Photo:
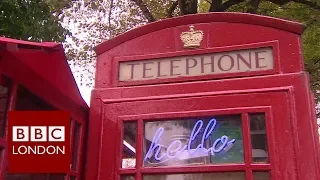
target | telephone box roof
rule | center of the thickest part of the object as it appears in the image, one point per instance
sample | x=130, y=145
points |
x=47, y=61
x=229, y=17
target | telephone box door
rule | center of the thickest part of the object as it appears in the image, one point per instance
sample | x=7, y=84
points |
x=242, y=136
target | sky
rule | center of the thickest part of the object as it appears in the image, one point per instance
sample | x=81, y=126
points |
x=85, y=93
x=77, y=70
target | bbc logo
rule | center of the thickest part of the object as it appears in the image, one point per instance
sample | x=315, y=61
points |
x=40, y=137
x=38, y=133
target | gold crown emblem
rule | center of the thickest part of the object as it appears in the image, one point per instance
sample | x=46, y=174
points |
x=192, y=38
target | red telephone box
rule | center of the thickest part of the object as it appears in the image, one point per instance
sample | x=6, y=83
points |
x=219, y=96
x=36, y=77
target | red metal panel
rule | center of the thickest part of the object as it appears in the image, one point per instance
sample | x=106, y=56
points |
x=4, y=40
x=247, y=144
x=170, y=108
x=305, y=131
x=139, y=149
x=48, y=60
x=93, y=140
x=229, y=86
x=17, y=70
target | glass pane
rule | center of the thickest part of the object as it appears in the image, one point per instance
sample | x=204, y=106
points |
x=26, y=100
x=127, y=178
x=9, y=176
x=258, y=138
x=129, y=145
x=193, y=141
x=71, y=133
x=4, y=102
x=202, y=176
x=56, y=176
x=261, y=175
x=76, y=145
x=2, y=153
x=73, y=178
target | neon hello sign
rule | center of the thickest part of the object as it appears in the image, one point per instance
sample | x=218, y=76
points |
x=176, y=151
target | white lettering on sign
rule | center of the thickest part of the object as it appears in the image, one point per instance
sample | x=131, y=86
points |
x=185, y=66
x=38, y=133
x=38, y=150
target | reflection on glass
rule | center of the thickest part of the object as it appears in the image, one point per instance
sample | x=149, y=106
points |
x=258, y=138
x=57, y=177
x=193, y=141
x=26, y=100
x=2, y=152
x=129, y=145
x=4, y=101
x=261, y=175
x=9, y=176
x=127, y=178
x=76, y=144
x=202, y=176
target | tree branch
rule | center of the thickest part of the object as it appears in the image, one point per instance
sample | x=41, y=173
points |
x=172, y=8
x=305, y=2
x=279, y=2
x=253, y=6
x=144, y=10
x=313, y=5
x=188, y=6
x=227, y=4
x=215, y=5
x=110, y=13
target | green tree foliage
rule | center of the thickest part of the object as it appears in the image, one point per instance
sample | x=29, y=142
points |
x=35, y=20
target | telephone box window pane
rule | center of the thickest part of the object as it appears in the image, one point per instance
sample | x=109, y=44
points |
x=56, y=176
x=71, y=142
x=26, y=100
x=127, y=178
x=261, y=175
x=71, y=132
x=4, y=102
x=76, y=145
x=193, y=141
x=258, y=138
x=34, y=176
x=129, y=145
x=13, y=176
x=2, y=152
x=202, y=176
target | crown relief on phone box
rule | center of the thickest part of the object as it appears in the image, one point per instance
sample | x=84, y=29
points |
x=192, y=38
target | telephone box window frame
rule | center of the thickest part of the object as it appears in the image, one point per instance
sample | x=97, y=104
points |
x=248, y=166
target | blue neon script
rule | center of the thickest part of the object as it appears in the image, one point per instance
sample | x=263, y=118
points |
x=175, y=148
